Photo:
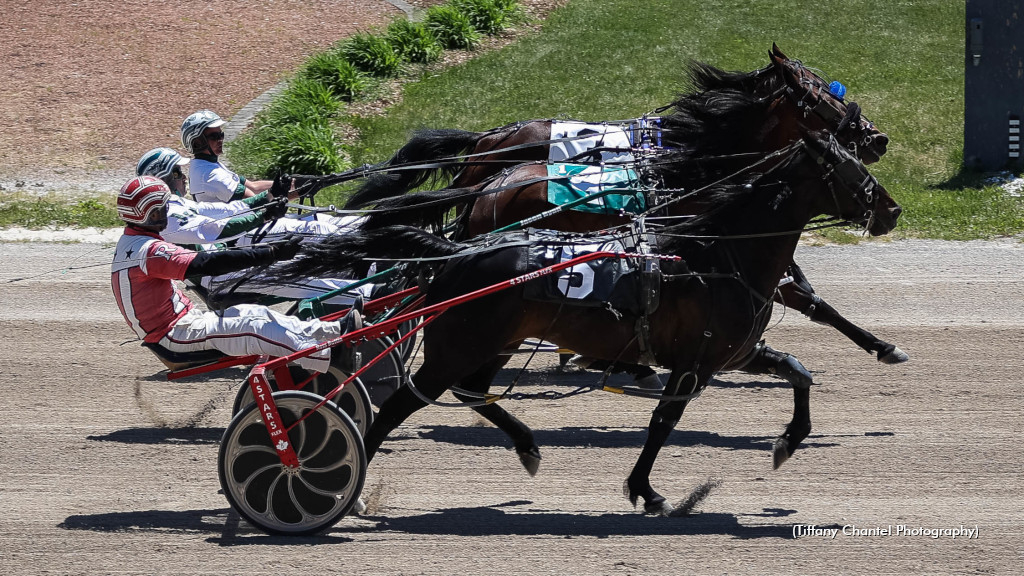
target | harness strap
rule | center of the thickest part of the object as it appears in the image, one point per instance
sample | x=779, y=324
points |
x=650, y=289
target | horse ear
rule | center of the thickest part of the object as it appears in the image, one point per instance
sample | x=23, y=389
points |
x=778, y=53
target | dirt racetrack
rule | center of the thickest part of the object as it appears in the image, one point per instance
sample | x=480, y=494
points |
x=108, y=469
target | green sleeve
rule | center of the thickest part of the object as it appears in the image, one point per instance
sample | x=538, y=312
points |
x=257, y=200
x=240, y=224
x=239, y=190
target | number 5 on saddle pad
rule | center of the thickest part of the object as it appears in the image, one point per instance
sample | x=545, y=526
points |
x=611, y=282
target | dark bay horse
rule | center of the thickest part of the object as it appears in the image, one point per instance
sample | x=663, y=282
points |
x=713, y=308
x=792, y=98
x=731, y=116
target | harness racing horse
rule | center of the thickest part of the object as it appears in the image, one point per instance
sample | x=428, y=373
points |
x=714, y=303
x=732, y=116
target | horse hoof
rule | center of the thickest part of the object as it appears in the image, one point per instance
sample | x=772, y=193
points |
x=780, y=453
x=650, y=382
x=658, y=507
x=895, y=356
x=530, y=460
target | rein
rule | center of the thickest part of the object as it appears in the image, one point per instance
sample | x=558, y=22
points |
x=316, y=183
x=789, y=150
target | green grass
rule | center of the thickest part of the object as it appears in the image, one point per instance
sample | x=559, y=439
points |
x=373, y=54
x=451, y=27
x=414, y=41
x=901, y=60
x=18, y=210
x=333, y=71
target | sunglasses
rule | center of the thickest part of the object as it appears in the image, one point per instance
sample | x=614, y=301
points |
x=214, y=136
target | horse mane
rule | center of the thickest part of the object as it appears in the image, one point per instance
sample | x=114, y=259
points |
x=705, y=77
x=723, y=205
x=707, y=120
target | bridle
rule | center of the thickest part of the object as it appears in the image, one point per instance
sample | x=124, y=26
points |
x=851, y=174
x=816, y=98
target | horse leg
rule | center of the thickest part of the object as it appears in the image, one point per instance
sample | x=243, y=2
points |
x=800, y=296
x=520, y=433
x=798, y=429
x=645, y=377
x=453, y=350
x=663, y=420
x=431, y=380
x=766, y=360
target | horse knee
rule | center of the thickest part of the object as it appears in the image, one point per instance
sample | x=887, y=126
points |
x=792, y=370
x=767, y=360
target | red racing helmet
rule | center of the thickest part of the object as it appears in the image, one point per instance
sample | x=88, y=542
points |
x=140, y=200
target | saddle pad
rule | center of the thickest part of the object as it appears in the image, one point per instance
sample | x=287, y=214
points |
x=598, y=283
x=586, y=137
x=574, y=181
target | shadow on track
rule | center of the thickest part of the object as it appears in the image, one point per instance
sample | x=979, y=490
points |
x=226, y=529
x=601, y=437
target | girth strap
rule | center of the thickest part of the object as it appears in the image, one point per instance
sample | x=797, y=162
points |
x=650, y=290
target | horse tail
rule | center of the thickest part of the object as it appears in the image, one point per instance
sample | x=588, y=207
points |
x=426, y=209
x=348, y=255
x=431, y=154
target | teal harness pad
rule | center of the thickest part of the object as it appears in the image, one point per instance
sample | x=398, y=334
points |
x=575, y=181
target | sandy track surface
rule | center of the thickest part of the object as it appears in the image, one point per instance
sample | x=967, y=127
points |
x=90, y=86
x=93, y=85
x=106, y=468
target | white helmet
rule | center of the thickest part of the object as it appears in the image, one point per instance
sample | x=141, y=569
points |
x=159, y=162
x=193, y=127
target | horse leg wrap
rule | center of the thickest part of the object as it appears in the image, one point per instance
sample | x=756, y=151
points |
x=783, y=365
x=813, y=308
x=791, y=369
x=659, y=421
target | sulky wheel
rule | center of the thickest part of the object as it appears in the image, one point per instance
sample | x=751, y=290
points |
x=353, y=398
x=306, y=500
x=406, y=348
x=384, y=376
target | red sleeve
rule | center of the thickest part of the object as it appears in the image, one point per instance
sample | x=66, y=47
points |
x=166, y=260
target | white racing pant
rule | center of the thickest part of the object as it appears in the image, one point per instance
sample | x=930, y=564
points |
x=313, y=229
x=251, y=329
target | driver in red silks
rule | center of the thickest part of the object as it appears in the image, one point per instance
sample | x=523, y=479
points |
x=145, y=267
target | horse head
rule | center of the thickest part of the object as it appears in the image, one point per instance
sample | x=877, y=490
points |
x=825, y=109
x=853, y=193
